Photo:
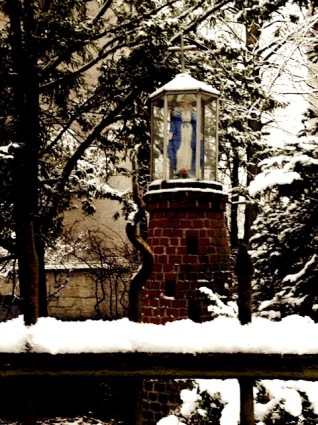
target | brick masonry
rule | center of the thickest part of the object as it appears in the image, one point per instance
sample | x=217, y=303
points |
x=161, y=397
x=188, y=235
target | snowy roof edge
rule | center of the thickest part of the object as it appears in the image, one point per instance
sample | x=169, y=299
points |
x=185, y=82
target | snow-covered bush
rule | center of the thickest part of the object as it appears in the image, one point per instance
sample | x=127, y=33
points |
x=284, y=402
x=203, y=403
x=216, y=402
x=218, y=307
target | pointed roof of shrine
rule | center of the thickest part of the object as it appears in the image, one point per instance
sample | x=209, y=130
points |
x=185, y=82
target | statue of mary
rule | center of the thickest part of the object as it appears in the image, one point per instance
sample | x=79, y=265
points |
x=182, y=137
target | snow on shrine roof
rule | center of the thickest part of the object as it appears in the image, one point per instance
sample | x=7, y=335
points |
x=184, y=82
x=185, y=189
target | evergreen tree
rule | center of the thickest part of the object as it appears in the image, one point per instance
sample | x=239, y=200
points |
x=247, y=48
x=75, y=80
x=285, y=243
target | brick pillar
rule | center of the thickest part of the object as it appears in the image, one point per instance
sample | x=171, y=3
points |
x=188, y=235
x=160, y=397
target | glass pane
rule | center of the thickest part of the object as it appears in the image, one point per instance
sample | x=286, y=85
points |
x=210, y=141
x=176, y=130
x=182, y=135
x=157, y=141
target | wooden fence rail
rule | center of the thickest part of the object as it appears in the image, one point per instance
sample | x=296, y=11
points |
x=162, y=365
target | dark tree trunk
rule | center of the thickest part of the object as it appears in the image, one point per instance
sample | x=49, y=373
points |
x=251, y=209
x=234, y=205
x=28, y=270
x=244, y=271
x=252, y=151
x=246, y=401
x=43, y=310
x=26, y=92
x=135, y=290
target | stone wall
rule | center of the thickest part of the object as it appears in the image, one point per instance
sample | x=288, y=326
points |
x=74, y=293
x=85, y=293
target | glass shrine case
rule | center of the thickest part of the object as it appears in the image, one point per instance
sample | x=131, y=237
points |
x=184, y=130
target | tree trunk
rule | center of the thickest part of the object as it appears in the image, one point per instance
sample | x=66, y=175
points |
x=28, y=271
x=252, y=40
x=244, y=271
x=246, y=401
x=234, y=205
x=25, y=174
x=251, y=210
x=43, y=308
x=140, y=278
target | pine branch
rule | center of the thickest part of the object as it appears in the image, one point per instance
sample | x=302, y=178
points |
x=116, y=37
x=95, y=133
x=102, y=11
x=66, y=127
x=199, y=19
x=7, y=258
x=89, y=65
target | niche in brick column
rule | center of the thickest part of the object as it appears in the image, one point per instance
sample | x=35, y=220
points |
x=187, y=226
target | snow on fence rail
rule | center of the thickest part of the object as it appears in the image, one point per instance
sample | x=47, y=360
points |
x=221, y=348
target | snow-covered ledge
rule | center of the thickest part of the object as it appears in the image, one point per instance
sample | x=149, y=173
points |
x=221, y=349
x=292, y=335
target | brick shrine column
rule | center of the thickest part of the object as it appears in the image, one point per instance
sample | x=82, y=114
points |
x=188, y=235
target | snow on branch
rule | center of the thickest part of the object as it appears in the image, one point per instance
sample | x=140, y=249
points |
x=292, y=278
x=272, y=178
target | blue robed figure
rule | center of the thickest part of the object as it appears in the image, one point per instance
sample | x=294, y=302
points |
x=182, y=138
